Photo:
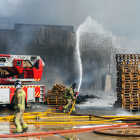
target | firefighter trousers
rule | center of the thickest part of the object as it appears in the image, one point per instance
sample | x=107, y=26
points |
x=69, y=104
x=19, y=121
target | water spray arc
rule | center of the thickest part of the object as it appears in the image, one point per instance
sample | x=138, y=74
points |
x=92, y=41
x=78, y=58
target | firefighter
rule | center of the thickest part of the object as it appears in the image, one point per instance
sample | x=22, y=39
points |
x=70, y=97
x=19, y=122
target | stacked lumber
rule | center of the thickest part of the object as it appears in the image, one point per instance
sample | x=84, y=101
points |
x=56, y=95
x=128, y=81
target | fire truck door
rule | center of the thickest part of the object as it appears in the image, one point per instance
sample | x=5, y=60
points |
x=5, y=96
x=31, y=95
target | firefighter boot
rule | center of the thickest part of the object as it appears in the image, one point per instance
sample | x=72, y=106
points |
x=25, y=130
x=73, y=110
x=63, y=110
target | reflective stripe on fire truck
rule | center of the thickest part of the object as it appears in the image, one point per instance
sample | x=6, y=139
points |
x=23, y=87
x=37, y=94
x=37, y=79
x=7, y=87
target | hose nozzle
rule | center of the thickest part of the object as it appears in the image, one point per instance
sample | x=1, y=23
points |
x=77, y=94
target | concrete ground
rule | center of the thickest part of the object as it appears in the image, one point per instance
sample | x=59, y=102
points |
x=8, y=127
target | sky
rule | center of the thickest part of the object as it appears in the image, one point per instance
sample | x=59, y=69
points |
x=121, y=17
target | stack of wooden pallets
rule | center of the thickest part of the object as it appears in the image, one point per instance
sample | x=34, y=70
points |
x=128, y=81
x=56, y=95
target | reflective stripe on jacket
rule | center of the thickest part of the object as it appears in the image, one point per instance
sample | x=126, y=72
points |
x=20, y=99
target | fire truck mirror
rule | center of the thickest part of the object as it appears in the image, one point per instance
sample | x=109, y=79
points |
x=19, y=63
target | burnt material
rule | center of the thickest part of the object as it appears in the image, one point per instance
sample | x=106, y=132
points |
x=83, y=98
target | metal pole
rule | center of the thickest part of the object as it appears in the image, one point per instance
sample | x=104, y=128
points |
x=6, y=18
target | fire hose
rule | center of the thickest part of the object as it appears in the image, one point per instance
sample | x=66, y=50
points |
x=74, y=102
x=34, y=115
x=63, y=131
x=96, y=120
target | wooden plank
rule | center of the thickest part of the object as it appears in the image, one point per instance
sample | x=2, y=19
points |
x=56, y=102
x=55, y=91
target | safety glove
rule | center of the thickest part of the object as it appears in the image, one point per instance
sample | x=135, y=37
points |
x=75, y=94
x=74, y=99
x=18, y=110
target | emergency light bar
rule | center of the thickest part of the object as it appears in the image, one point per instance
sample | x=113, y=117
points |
x=4, y=55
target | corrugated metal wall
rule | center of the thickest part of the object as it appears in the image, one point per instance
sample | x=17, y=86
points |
x=56, y=46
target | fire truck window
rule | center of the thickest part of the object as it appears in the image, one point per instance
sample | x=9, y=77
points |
x=36, y=65
x=2, y=60
x=27, y=64
x=33, y=58
x=18, y=63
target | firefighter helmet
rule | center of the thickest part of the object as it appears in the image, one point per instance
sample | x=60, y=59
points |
x=18, y=84
x=74, y=85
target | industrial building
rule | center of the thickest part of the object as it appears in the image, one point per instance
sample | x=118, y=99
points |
x=56, y=46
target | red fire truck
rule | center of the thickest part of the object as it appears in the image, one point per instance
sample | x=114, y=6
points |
x=26, y=68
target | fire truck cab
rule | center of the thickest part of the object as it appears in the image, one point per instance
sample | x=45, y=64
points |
x=26, y=68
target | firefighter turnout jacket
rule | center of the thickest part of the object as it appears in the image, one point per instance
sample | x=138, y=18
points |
x=18, y=120
x=20, y=99
x=69, y=94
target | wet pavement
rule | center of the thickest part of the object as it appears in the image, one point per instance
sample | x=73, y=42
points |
x=8, y=127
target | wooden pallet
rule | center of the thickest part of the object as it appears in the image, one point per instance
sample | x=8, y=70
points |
x=131, y=108
x=131, y=91
x=56, y=91
x=56, y=95
x=128, y=80
x=56, y=101
x=134, y=83
x=130, y=86
x=60, y=87
x=127, y=70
